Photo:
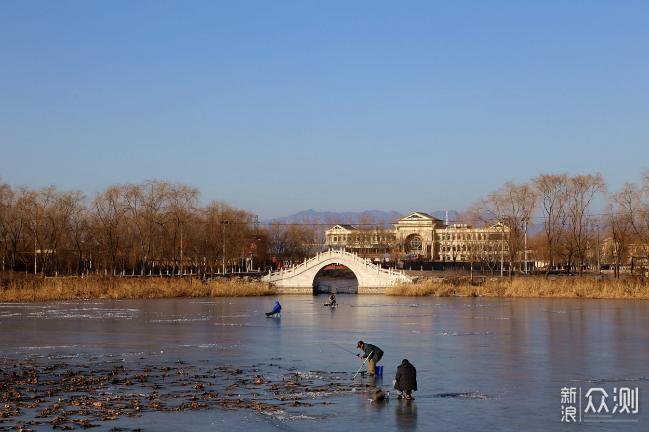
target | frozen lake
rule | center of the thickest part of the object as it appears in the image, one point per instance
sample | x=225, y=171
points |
x=483, y=364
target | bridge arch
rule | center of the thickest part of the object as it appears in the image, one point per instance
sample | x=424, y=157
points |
x=335, y=278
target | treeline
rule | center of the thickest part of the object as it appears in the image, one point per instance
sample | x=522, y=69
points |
x=574, y=235
x=159, y=228
x=152, y=228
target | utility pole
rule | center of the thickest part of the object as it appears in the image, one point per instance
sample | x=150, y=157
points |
x=255, y=219
x=525, y=219
x=35, y=246
x=223, y=224
x=502, y=250
x=181, y=249
x=599, y=264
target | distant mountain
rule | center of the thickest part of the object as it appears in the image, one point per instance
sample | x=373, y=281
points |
x=329, y=217
x=367, y=216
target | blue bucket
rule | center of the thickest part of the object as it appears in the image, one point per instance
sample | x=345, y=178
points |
x=379, y=371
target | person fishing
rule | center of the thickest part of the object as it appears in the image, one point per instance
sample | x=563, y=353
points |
x=332, y=300
x=372, y=353
x=405, y=380
x=277, y=308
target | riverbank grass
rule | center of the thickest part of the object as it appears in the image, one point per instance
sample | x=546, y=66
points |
x=563, y=287
x=71, y=288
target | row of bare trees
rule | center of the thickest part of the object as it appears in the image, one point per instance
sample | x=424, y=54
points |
x=152, y=228
x=564, y=205
x=158, y=227
x=628, y=223
x=292, y=242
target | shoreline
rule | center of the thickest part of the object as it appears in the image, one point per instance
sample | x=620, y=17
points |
x=76, y=288
x=529, y=287
x=35, y=289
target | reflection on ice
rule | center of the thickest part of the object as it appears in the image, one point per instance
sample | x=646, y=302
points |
x=178, y=320
x=211, y=346
x=465, y=395
x=462, y=333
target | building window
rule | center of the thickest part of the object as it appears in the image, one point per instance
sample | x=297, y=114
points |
x=414, y=243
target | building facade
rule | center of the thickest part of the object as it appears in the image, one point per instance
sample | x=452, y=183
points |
x=371, y=242
x=627, y=255
x=415, y=235
x=420, y=236
x=462, y=242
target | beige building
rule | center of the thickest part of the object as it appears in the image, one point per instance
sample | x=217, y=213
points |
x=367, y=242
x=415, y=234
x=461, y=242
x=632, y=254
x=422, y=236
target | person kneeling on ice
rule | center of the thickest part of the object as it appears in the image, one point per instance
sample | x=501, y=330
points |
x=276, y=309
x=332, y=300
x=372, y=353
x=405, y=381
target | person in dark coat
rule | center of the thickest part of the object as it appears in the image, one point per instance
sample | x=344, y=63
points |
x=405, y=380
x=276, y=309
x=372, y=353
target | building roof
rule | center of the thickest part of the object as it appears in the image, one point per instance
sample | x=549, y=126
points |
x=417, y=215
x=343, y=227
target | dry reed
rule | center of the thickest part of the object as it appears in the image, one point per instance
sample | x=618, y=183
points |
x=70, y=288
x=562, y=287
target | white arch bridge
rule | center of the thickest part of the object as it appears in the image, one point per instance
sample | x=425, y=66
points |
x=371, y=277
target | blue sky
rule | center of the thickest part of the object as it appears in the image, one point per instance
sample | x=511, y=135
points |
x=278, y=106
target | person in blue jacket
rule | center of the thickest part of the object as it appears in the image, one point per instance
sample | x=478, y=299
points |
x=276, y=309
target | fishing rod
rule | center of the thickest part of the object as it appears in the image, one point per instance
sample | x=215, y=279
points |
x=363, y=364
x=344, y=349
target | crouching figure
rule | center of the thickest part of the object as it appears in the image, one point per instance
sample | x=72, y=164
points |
x=405, y=380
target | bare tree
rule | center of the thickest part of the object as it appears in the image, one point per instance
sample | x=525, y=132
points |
x=134, y=212
x=619, y=228
x=213, y=235
x=512, y=206
x=155, y=221
x=635, y=202
x=182, y=202
x=109, y=209
x=68, y=207
x=553, y=196
x=79, y=230
x=292, y=242
x=11, y=225
x=582, y=190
